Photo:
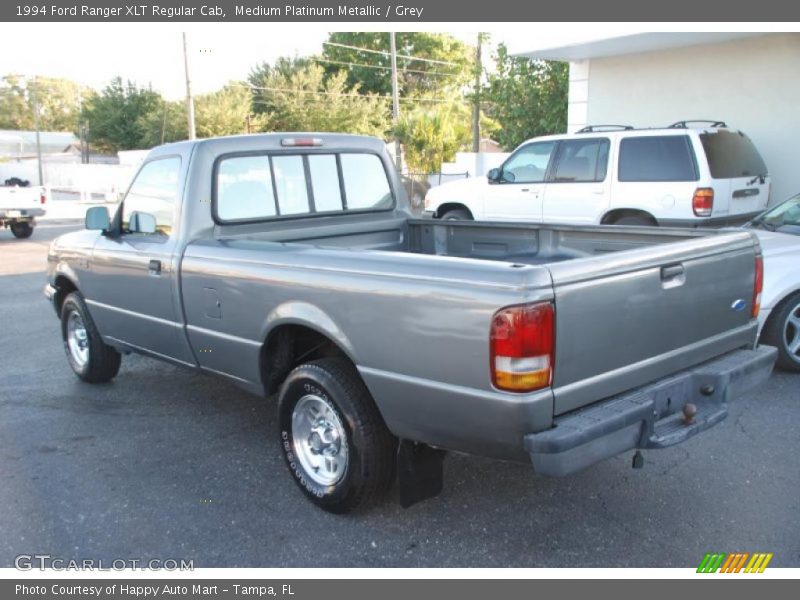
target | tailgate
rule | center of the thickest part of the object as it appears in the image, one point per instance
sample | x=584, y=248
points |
x=628, y=318
x=742, y=195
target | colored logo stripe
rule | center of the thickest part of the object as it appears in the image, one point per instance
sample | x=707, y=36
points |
x=734, y=563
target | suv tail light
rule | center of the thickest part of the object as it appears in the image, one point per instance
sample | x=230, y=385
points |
x=42, y=196
x=521, y=344
x=758, y=286
x=703, y=202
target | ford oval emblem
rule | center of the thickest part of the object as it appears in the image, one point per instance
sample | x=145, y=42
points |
x=739, y=305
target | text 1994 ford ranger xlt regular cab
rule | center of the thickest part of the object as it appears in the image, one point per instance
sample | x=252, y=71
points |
x=290, y=263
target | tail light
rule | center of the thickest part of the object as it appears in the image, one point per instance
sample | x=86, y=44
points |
x=42, y=196
x=703, y=202
x=521, y=347
x=758, y=286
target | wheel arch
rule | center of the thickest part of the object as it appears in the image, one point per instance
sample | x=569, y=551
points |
x=295, y=333
x=613, y=215
x=448, y=206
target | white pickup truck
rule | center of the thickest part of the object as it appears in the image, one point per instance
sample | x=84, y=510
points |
x=19, y=207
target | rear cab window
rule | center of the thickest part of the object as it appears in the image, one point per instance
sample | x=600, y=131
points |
x=657, y=158
x=267, y=186
x=731, y=154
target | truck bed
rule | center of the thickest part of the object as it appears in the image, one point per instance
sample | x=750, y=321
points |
x=623, y=318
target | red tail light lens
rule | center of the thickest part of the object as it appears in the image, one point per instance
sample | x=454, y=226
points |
x=42, y=196
x=758, y=286
x=521, y=347
x=703, y=202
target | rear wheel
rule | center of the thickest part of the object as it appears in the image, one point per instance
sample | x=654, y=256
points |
x=22, y=229
x=91, y=359
x=336, y=445
x=456, y=214
x=636, y=220
x=782, y=330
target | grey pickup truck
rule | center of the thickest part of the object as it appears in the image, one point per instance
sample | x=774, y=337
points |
x=291, y=265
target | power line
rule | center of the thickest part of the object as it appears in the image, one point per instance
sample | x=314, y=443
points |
x=351, y=64
x=405, y=56
x=340, y=94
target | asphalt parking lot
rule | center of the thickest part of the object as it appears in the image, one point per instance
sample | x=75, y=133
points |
x=163, y=463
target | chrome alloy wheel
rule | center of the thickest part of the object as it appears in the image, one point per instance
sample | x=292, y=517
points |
x=77, y=339
x=319, y=440
x=791, y=333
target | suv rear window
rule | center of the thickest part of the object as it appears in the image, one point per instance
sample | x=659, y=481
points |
x=657, y=158
x=731, y=154
x=253, y=188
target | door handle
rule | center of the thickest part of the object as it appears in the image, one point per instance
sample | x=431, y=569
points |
x=673, y=276
x=155, y=267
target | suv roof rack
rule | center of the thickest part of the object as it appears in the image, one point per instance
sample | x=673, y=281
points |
x=593, y=128
x=684, y=124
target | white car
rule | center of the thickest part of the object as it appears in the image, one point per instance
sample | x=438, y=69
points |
x=778, y=230
x=681, y=176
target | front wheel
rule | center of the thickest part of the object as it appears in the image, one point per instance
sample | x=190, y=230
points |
x=91, y=359
x=457, y=214
x=21, y=229
x=336, y=445
x=782, y=330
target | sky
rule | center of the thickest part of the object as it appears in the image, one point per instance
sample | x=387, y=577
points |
x=93, y=53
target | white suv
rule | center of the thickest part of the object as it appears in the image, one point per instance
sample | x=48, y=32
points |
x=681, y=175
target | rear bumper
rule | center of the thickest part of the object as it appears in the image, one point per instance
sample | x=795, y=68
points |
x=20, y=214
x=649, y=417
x=726, y=221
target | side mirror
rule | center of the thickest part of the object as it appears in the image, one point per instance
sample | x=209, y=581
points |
x=493, y=175
x=142, y=222
x=97, y=218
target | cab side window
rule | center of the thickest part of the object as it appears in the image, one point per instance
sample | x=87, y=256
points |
x=152, y=196
x=528, y=164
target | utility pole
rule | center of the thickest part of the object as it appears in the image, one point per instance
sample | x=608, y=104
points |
x=398, y=159
x=164, y=122
x=189, y=99
x=476, y=109
x=35, y=99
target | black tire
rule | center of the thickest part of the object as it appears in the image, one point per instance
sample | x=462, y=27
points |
x=778, y=330
x=370, y=447
x=635, y=220
x=21, y=229
x=103, y=361
x=456, y=214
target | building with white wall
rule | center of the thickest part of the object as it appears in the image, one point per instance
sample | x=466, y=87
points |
x=749, y=80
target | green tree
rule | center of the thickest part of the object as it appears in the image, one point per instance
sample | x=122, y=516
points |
x=219, y=113
x=432, y=134
x=116, y=115
x=58, y=99
x=265, y=74
x=415, y=77
x=526, y=97
x=306, y=100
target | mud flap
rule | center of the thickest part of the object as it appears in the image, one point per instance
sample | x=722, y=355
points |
x=419, y=472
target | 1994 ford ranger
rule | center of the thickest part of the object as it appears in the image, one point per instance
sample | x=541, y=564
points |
x=290, y=264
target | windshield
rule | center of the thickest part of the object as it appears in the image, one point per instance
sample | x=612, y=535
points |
x=785, y=217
